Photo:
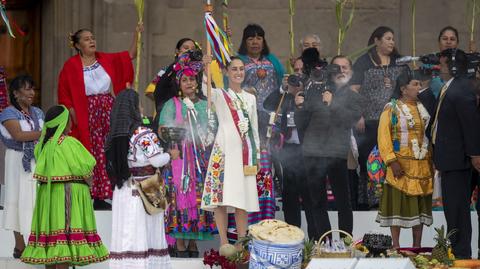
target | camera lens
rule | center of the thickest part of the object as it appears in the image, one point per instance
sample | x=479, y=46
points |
x=294, y=80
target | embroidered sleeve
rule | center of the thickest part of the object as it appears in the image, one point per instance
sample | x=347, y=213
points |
x=148, y=144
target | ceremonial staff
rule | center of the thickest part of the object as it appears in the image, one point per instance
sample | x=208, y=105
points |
x=292, y=34
x=217, y=44
x=140, y=5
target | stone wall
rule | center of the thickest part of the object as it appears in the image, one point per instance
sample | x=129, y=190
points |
x=166, y=21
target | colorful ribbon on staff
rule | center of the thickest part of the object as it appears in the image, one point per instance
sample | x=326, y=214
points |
x=218, y=39
x=3, y=13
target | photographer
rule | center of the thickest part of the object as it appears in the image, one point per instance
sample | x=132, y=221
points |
x=328, y=113
x=294, y=194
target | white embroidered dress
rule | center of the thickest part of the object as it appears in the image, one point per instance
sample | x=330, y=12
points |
x=225, y=182
x=138, y=239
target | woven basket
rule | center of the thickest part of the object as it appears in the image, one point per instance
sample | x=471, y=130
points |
x=319, y=254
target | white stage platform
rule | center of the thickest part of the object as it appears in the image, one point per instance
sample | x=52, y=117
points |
x=363, y=222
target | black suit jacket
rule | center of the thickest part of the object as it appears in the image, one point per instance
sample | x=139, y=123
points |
x=458, y=131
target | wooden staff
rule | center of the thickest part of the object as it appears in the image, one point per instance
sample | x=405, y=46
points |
x=292, y=35
x=209, y=9
x=277, y=111
x=414, y=43
x=140, y=5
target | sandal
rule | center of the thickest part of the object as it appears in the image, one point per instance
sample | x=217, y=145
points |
x=17, y=253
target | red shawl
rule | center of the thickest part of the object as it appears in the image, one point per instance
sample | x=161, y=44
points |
x=71, y=87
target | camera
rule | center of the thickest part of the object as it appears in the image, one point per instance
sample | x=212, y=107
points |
x=317, y=78
x=431, y=61
x=195, y=55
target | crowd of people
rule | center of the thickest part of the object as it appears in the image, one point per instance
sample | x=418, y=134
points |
x=216, y=160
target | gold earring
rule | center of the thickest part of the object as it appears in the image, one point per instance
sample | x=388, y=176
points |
x=196, y=90
x=180, y=93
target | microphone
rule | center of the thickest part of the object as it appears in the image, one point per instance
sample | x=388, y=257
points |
x=406, y=59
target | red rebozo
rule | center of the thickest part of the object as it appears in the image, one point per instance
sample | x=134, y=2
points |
x=71, y=87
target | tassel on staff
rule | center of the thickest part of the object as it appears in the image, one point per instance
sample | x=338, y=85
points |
x=217, y=43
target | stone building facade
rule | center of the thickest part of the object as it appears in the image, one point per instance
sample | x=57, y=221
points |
x=166, y=21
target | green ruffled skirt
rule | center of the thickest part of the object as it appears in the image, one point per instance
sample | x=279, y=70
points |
x=64, y=230
x=399, y=209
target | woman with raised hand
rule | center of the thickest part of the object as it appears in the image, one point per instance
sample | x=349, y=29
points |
x=230, y=183
x=87, y=86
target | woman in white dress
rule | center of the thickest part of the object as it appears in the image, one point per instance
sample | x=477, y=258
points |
x=20, y=129
x=230, y=183
x=133, y=154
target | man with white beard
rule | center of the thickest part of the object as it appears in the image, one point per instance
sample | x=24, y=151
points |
x=327, y=117
x=340, y=80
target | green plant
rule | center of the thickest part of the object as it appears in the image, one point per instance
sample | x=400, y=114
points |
x=308, y=251
x=343, y=26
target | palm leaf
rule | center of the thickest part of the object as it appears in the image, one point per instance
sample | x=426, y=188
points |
x=350, y=18
x=140, y=5
x=354, y=55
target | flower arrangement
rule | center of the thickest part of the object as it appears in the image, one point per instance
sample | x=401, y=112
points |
x=228, y=256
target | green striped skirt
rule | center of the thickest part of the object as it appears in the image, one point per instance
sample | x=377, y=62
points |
x=64, y=230
x=399, y=209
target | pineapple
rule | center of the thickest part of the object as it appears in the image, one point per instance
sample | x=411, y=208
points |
x=440, y=251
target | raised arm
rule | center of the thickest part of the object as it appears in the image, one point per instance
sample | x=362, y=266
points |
x=133, y=48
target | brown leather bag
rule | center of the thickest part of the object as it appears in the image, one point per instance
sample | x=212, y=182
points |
x=153, y=193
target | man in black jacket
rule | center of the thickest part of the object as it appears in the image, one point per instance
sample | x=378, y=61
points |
x=327, y=118
x=455, y=134
x=290, y=155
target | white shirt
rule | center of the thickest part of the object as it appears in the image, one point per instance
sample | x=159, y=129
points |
x=96, y=79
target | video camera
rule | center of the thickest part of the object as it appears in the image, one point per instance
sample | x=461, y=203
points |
x=432, y=61
x=317, y=79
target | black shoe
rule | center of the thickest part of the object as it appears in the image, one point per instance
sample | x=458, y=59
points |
x=101, y=205
x=172, y=252
x=183, y=253
x=194, y=253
